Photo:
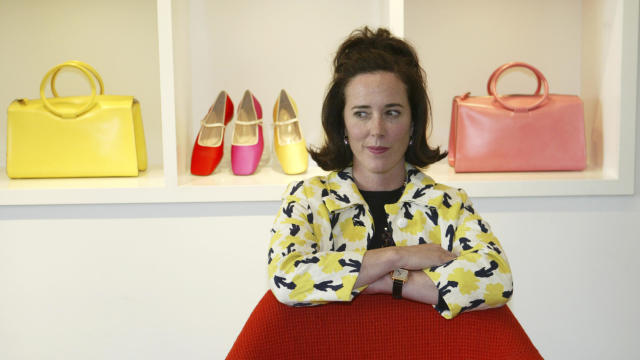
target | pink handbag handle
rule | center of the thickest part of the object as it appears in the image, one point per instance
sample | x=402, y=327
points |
x=496, y=75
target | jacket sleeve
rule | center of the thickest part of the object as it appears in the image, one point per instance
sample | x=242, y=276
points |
x=480, y=277
x=301, y=273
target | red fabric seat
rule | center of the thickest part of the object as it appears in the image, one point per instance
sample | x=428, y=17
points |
x=378, y=327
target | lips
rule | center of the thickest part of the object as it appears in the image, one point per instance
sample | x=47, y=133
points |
x=377, y=149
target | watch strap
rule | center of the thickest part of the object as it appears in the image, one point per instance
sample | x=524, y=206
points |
x=396, y=291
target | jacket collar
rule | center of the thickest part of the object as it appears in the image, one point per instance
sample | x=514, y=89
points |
x=343, y=192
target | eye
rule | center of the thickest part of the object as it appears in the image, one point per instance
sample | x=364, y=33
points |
x=393, y=113
x=360, y=114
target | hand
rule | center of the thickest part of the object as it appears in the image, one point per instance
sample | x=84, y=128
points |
x=418, y=257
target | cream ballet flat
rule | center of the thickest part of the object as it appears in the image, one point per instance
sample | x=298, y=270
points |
x=289, y=143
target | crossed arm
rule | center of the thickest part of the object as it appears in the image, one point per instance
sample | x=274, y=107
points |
x=378, y=263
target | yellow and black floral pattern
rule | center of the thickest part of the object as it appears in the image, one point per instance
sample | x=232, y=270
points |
x=320, y=236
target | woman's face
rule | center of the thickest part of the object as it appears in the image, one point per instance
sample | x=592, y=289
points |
x=377, y=119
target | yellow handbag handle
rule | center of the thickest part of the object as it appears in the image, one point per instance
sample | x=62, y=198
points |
x=68, y=114
x=93, y=71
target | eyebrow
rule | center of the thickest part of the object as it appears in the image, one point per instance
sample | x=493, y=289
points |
x=369, y=107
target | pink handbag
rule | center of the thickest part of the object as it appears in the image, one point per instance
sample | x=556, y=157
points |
x=517, y=132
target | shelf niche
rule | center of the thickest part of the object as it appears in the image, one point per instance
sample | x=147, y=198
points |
x=197, y=48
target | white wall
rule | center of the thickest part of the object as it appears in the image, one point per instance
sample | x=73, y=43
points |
x=129, y=281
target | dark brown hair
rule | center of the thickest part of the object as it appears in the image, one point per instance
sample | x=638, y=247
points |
x=366, y=51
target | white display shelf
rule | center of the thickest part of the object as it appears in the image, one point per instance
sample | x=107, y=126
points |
x=144, y=188
x=514, y=184
x=200, y=47
x=151, y=178
x=268, y=184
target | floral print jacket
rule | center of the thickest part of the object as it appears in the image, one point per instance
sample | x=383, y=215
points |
x=320, y=236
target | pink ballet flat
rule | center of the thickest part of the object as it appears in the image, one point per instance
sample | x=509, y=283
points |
x=248, y=142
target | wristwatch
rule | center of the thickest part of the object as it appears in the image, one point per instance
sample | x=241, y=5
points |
x=399, y=277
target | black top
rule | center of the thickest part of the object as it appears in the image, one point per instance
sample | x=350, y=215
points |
x=376, y=201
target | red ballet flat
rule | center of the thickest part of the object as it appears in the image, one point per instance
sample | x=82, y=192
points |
x=209, y=145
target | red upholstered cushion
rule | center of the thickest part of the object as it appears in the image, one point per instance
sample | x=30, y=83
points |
x=378, y=327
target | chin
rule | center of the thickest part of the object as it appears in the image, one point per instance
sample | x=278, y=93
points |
x=380, y=165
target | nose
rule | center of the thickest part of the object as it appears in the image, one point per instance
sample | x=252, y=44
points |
x=377, y=125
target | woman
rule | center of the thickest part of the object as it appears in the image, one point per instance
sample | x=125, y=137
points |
x=376, y=224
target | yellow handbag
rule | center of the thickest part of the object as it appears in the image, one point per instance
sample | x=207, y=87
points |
x=75, y=136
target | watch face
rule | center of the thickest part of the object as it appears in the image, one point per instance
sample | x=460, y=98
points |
x=400, y=274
